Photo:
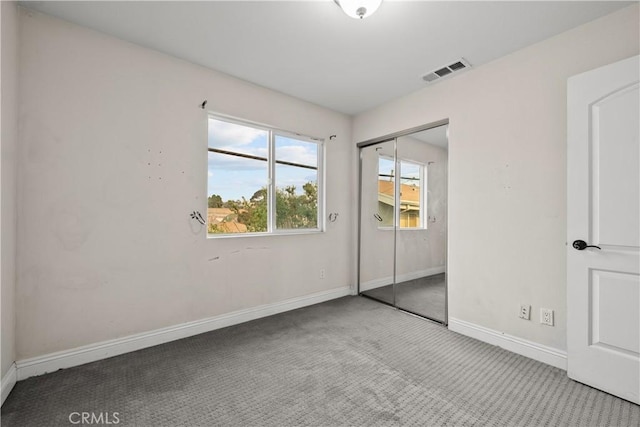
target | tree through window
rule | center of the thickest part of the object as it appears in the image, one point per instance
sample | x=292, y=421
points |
x=261, y=180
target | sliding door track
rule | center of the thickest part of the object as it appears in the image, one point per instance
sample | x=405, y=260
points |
x=413, y=313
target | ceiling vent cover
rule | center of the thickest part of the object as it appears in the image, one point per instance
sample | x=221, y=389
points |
x=448, y=70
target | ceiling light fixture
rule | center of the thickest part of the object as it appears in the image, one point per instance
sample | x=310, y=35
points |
x=359, y=9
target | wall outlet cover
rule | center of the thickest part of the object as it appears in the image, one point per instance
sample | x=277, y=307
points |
x=525, y=311
x=546, y=316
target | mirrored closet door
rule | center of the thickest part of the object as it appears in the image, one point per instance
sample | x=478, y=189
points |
x=403, y=221
x=377, y=221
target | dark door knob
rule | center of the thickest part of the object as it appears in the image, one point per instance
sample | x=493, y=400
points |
x=581, y=245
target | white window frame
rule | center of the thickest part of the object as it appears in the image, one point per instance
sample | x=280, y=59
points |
x=423, y=194
x=423, y=223
x=272, y=178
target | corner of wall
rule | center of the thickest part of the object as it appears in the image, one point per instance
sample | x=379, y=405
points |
x=126, y=143
x=495, y=178
x=8, y=189
x=7, y=382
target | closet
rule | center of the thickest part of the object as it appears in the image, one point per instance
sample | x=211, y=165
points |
x=402, y=232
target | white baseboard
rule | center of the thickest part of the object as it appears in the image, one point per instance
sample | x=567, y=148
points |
x=8, y=381
x=385, y=281
x=90, y=353
x=541, y=353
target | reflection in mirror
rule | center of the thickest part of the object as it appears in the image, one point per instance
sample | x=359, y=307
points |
x=386, y=190
x=420, y=280
x=377, y=217
x=411, y=197
x=403, y=222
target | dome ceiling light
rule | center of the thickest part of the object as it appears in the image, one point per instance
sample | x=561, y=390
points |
x=359, y=9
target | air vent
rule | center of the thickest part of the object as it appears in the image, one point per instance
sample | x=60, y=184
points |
x=457, y=66
x=443, y=71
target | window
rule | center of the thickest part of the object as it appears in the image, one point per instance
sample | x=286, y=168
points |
x=411, y=188
x=262, y=180
x=411, y=195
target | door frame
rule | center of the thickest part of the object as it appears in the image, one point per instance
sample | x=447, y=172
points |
x=386, y=138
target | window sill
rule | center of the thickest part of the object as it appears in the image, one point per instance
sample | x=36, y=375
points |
x=403, y=228
x=278, y=233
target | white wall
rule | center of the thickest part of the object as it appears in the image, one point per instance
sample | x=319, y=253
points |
x=8, y=143
x=507, y=179
x=112, y=161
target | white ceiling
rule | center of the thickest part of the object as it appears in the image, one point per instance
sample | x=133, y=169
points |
x=313, y=51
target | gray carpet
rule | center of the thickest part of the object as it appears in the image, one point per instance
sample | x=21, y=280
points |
x=424, y=296
x=350, y=361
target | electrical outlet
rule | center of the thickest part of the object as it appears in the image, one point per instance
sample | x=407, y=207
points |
x=546, y=316
x=322, y=273
x=525, y=310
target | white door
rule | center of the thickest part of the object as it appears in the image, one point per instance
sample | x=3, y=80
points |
x=603, y=194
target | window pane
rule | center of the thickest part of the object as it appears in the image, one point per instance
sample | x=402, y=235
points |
x=296, y=176
x=238, y=138
x=386, y=191
x=237, y=179
x=302, y=153
x=410, y=194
